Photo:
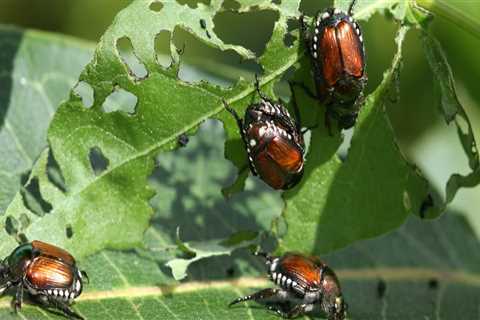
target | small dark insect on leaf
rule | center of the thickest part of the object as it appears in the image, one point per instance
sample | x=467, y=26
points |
x=69, y=231
x=426, y=204
x=230, y=272
x=203, y=25
x=183, y=140
x=381, y=288
x=433, y=283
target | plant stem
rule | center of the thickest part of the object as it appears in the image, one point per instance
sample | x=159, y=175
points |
x=451, y=13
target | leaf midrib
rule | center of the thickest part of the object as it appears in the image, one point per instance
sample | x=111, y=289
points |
x=265, y=80
x=387, y=274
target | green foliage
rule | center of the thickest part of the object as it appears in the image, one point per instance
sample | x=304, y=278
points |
x=106, y=180
x=418, y=266
x=37, y=71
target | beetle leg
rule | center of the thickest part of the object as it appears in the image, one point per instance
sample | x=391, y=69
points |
x=257, y=87
x=17, y=301
x=64, y=307
x=296, y=110
x=303, y=32
x=242, y=131
x=350, y=8
x=307, y=90
x=294, y=312
x=266, y=296
x=85, y=275
x=235, y=115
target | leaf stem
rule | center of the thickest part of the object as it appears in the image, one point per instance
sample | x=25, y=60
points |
x=451, y=13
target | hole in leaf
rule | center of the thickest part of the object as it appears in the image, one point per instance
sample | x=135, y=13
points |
x=156, y=6
x=193, y=3
x=33, y=200
x=54, y=173
x=237, y=28
x=11, y=225
x=69, y=231
x=98, y=161
x=311, y=7
x=120, y=100
x=277, y=1
x=289, y=38
x=135, y=67
x=202, y=62
x=231, y=5
x=162, y=49
x=84, y=91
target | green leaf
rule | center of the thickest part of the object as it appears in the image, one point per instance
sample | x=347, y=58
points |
x=37, y=71
x=207, y=249
x=452, y=111
x=420, y=271
x=370, y=193
x=126, y=141
x=114, y=190
x=188, y=183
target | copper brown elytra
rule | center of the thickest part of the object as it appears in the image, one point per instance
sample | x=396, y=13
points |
x=306, y=284
x=47, y=272
x=273, y=141
x=338, y=60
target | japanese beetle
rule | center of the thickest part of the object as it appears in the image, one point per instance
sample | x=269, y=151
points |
x=338, y=60
x=273, y=141
x=47, y=272
x=305, y=284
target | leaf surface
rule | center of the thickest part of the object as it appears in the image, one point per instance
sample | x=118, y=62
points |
x=422, y=270
x=37, y=70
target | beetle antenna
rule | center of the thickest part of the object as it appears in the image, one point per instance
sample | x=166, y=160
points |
x=235, y=115
x=85, y=275
x=350, y=8
x=257, y=87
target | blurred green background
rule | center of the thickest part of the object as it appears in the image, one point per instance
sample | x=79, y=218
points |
x=423, y=134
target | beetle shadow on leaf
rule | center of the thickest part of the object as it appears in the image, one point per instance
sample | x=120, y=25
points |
x=9, y=46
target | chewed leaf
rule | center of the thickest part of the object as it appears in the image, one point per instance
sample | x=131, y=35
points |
x=452, y=111
x=188, y=183
x=104, y=151
x=428, y=266
x=30, y=92
x=206, y=249
x=368, y=194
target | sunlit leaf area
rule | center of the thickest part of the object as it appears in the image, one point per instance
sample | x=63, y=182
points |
x=120, y=145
